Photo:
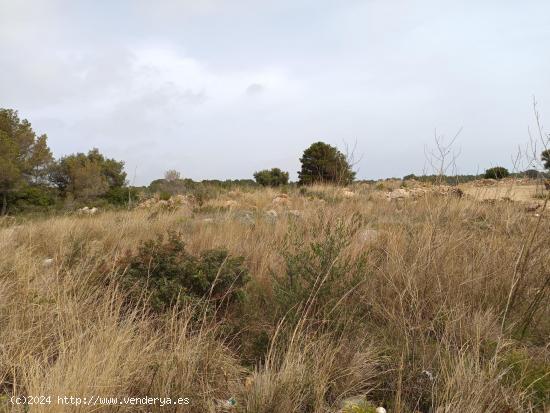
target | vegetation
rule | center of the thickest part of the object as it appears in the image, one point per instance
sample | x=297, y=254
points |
x=271, y=177
x=291, y=302
x=432, y=306
x=168, y=274
x=447, y=179
x=323, y=163
x=25, y=157
x=88, y=176
x=497, y=172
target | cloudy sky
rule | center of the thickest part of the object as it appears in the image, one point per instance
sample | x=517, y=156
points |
x=220, y=89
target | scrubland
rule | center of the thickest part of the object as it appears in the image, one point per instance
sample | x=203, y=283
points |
x=437, y=304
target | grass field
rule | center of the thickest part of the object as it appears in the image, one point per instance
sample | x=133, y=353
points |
x=438, y=304
x=528, y=193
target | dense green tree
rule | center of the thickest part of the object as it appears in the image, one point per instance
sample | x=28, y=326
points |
x=24, y=157
x=271, y=177
x=545, y=157
x=325, y=164
x=497, y=172
x=87, y=176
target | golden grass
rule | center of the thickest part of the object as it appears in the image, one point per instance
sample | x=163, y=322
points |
x=450, y=287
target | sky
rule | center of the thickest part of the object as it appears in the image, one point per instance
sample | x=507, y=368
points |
x=220, y=89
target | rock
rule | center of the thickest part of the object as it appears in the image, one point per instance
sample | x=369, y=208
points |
x=88, y=211
x=380, y=410
x=398, y=193
x=346, y=193
x=207, y=220
x=231, y=203
x=48, y=262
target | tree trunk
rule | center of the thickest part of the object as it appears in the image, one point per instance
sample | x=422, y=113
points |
x=4, y=204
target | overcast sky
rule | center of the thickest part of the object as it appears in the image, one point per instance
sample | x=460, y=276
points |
x=220, y=89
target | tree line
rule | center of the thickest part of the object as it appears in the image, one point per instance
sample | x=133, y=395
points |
x=30, y=177
x=29, y=174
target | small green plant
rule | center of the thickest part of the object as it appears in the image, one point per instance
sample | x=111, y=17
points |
x=531, y=375
x=167, y=273
x=316, y=271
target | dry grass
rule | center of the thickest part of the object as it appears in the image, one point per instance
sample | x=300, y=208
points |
x=447, y=310
x=522, y=193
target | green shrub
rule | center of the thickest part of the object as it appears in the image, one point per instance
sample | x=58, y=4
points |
x=167, y=273
x=32, y=198
x=498, y=172
x=165, y=196
x=530, y=374
x=121, y=195
x=271, y=177
x=318, y=272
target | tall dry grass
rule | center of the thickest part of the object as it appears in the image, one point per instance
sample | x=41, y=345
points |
x=433, y=305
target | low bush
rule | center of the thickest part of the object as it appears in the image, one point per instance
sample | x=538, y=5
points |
x=168, y=274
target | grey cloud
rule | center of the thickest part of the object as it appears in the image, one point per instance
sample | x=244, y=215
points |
x=254, y=89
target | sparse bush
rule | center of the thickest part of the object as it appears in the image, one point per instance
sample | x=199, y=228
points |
x=203, y=192
x=498, y=172
x=165, y=271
